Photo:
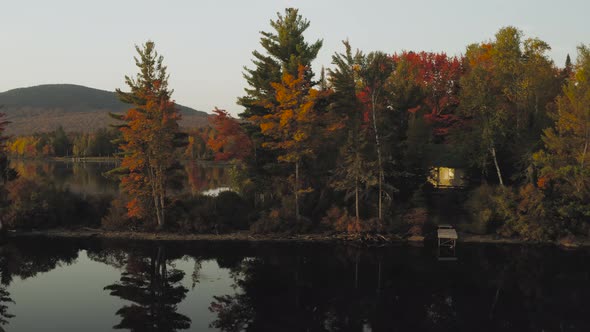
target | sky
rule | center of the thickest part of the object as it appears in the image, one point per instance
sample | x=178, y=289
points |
x=206, y=43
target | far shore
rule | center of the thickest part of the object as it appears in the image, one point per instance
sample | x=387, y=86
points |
x=113, y=160
x=246, y=236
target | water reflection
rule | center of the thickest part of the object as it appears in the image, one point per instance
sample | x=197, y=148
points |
x=80, y=177
x=179, y=286
x=24, y=260
x=5, y=300
x=88, y=178
x=155, y=292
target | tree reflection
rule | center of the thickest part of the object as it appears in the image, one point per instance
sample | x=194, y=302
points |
x=345, y=289
x=26, y=259
x=327, y=288
x=202, y=178
x=234, y=312
x=4, y=300
x=155, y=291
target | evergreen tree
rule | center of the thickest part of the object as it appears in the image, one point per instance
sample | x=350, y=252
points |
x=61, y=143
x=353, y=172
x=5, y=170
x=286, y=49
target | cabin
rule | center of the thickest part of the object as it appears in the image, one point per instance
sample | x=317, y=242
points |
x=447, y=177
x=447, y=170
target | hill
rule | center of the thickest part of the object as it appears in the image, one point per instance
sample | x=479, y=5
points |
x=77, y=108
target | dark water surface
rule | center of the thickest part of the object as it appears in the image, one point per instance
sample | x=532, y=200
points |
x=101, y=285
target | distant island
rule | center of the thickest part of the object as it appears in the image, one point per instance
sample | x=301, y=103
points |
x=76, y=108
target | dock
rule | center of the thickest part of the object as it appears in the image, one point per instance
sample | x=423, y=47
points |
x=447, y=236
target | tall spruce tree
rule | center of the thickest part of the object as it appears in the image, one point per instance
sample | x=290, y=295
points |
x=354, y=171
x=285, y=49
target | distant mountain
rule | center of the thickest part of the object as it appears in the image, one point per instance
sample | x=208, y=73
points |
x=77, y=108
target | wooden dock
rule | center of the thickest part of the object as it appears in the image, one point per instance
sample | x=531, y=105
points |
x=447, y=236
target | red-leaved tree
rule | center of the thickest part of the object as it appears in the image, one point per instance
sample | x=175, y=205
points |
x=229, y=140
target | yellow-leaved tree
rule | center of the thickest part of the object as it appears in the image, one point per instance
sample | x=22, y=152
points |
x=290, y=125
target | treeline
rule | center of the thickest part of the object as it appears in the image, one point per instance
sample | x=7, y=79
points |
x=58, y=143
x=356, y=147
x=361, y=139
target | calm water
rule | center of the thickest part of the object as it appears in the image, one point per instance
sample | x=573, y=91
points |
x=100, y=285
x=88, y=177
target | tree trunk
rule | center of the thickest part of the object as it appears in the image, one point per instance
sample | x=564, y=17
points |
x=378, y=145
x=493, y=150
x=162, y=183
x=584, y=154
x=297, y=217
x=153, y=184
x=356, y=200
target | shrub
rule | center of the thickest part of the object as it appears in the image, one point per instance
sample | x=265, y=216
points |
x=502, y=210
x=338, y=219
x=416, y=219
x=529, y=220
x=489, y=207
x=232, y=210
x=116, y=218
x=205, y=214
x=268, y=223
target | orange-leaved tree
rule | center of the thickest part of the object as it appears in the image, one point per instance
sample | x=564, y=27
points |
x=229, y=140
x=149, y=136
x=290, y=125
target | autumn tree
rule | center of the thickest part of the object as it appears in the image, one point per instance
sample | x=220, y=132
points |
x=229, y=140
x=479, y=102
x=565, y=161
x=149, y=135
x=438, y=75
x=489, y=93
x=290, y=125
x=508, y=86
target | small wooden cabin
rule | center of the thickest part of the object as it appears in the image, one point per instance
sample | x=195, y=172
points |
x=447, y=169
x=447, y=177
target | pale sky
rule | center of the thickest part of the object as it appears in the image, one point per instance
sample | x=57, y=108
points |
x=206, y=43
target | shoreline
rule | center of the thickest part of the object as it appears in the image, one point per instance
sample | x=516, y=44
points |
x=246, y=236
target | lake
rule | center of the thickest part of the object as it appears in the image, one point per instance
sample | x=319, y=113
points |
x=102, y=285
x=88, y=178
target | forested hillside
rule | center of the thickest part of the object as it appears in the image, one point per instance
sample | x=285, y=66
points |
x=76, y=108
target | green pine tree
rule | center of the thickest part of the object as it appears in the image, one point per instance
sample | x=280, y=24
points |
x=286, y=49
